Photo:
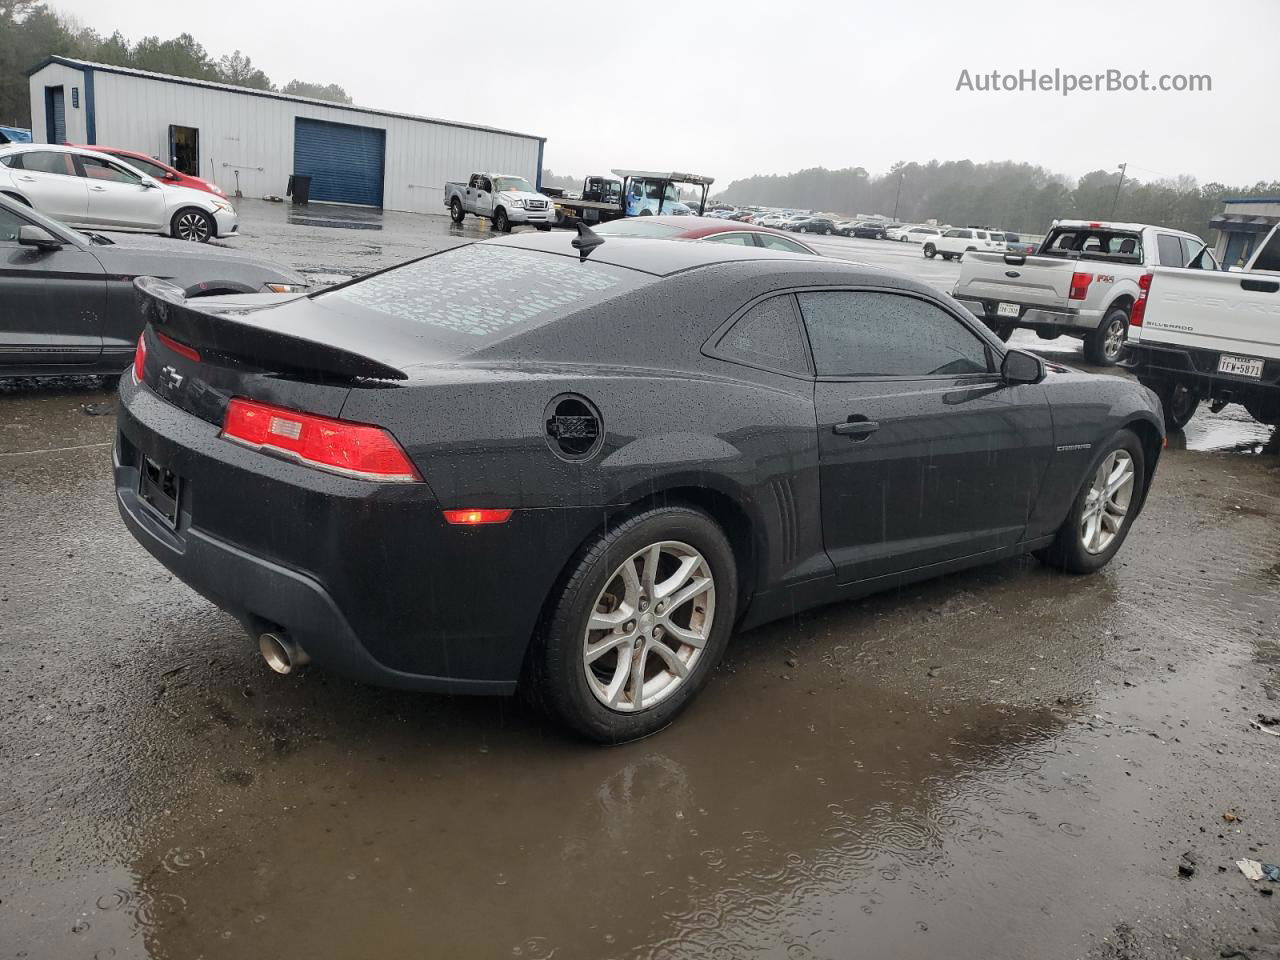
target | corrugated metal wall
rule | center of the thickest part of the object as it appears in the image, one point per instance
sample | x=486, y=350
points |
x=254, y=135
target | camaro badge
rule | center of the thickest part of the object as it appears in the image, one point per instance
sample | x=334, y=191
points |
x=1074, y=446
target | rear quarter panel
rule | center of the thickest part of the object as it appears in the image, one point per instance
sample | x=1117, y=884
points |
x=479, y=437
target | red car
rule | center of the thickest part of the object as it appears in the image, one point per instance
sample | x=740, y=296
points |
x=154, y=168
x=703, y=228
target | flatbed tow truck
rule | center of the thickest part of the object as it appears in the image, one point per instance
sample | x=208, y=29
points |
x=629, y=193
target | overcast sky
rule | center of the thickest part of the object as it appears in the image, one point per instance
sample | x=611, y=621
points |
x=734, y=88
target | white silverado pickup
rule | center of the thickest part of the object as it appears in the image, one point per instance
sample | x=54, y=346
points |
x=1211, y=335
x=1082, y=282
x=504, y=198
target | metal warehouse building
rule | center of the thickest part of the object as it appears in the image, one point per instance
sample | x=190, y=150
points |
x=252, y=140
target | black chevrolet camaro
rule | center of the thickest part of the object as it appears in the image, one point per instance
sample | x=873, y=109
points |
x=581, y=465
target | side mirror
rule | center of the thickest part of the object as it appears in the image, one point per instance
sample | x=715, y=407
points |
x=149, y=184
x=1021, y=367
x=29, y=235
x=170, y=175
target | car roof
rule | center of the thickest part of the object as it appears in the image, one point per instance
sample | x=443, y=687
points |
x=657, y=256
x=98, y=148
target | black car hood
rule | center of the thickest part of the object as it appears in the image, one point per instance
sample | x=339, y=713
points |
x=134, y=257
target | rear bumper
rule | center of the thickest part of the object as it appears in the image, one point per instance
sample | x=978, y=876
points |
x=1193, y=366
x=367, y=578
x=1031, y=315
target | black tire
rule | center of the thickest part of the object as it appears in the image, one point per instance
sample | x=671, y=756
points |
x=555, y=670
x=192, y=225
x=930, y=251
x=1004, y=331
x=1105, y=346
x=1067, y=552
x=1178, y=401
x=544, y=227
x=456, y=213
x=1048, y=334
x=948, y=256
x=802, y=230
x=501, y=222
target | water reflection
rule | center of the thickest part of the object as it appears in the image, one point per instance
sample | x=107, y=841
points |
x=749, y=825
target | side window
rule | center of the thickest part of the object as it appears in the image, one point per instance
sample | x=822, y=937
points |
x=767, y=336
x=953, y=233
x=98, y=169
x=737, y=239
x=46, y=161
x=1169, y=250
x=869, y=334
x=474, y=182
x=147, y=167
x=771, y=242
x=964, y=234
x=1196, y=255
x=9, y=224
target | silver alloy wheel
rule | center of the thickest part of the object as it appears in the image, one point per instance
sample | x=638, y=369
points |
x=193, y=226
x=1107, y=501
x=1113, y=344
x=649, y=626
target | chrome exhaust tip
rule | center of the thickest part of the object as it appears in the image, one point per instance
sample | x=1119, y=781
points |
x=281, y=654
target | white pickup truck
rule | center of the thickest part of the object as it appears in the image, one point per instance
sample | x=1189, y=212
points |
x=1211, y=335
x=1082, y=282
x=504, y=198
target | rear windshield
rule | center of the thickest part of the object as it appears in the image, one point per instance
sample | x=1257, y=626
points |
x=1085, y=243
x=477, y=294
x=637, y=227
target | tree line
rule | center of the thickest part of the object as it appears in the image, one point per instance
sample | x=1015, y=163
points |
x=30, y=31
x=1013, y=196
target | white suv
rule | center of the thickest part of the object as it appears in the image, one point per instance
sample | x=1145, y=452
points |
x=961, y=240
x=84, y=188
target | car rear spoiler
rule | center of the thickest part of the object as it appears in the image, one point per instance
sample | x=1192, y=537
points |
x=166, y=307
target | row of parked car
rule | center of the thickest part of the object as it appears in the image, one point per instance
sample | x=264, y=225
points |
x=110, y=189
x=946, y=241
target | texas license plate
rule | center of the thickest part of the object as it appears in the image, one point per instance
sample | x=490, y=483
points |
x=1007, y=310
x=1250, y=367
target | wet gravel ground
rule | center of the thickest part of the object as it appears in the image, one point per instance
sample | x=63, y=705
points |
x=1003, y=763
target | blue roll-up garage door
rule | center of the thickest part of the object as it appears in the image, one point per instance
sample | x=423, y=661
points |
x=344, y=162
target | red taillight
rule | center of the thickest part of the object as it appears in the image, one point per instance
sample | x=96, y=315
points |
x=181, y=349
x=469, y=518
x=140, y=357
x=1080, y=285
x=1139, y=311
x=352, y=449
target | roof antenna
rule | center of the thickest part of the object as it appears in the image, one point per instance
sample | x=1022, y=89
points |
x=585, y=241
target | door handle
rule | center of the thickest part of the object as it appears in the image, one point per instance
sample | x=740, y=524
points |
x=27, y=179
x=858, y=427
x=98, y=189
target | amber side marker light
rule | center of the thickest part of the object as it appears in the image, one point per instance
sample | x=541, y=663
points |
x=472, y=518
